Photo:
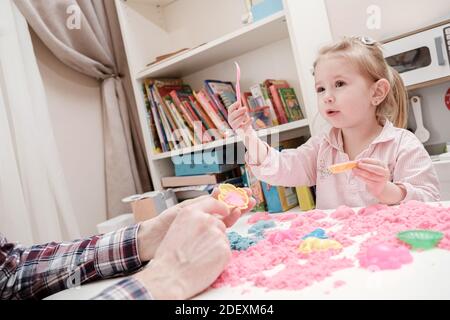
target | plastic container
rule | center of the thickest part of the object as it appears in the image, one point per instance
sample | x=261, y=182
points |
x=420, y=239
x=265, y=8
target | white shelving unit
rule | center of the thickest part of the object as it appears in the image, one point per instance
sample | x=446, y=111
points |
x=236, y=139
x=281, y=46
x=256, y=35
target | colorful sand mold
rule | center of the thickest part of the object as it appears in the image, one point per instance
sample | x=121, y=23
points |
x=238, y=242
x=420, y=239
x=233, y=197
x=317, y=233
x=315, y=244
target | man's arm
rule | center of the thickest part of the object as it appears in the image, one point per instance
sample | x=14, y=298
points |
x=42, y=270
x=127, y=289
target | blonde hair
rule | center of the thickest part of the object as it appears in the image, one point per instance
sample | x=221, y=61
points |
x=368, y=56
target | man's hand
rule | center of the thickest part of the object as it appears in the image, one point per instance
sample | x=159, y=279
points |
x=151, y=232
x=192, y=254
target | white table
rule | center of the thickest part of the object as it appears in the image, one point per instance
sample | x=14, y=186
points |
x=427, y=277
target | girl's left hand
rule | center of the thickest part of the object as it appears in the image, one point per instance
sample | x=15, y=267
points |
x=374, y=173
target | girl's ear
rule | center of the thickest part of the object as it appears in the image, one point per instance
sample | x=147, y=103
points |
x=380, y=90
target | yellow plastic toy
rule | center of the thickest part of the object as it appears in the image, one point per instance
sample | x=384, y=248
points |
x=341, y=167
x=315, y=244
x=233, y=197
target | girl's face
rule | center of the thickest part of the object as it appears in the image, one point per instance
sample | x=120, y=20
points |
x=343, y=93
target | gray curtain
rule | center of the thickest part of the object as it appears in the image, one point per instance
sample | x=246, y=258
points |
x=85, y=35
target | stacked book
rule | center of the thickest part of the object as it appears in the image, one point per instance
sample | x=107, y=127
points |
x=272, y=103
x=180, y=117
x=198, y=173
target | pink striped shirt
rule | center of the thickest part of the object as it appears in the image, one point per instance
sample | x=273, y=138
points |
x=407, y=159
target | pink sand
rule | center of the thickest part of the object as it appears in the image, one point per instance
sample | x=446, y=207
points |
x=258, y=216
x=315, y=214
x=342, y=213
x=381, y=222
x=286, y=216
x=385, y=256
x=280, y=236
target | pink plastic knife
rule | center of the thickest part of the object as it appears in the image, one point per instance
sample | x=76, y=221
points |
x=238, y=79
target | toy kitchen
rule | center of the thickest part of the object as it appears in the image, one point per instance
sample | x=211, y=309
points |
x=422, y=58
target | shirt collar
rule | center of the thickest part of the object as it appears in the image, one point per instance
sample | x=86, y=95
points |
x=334, y=136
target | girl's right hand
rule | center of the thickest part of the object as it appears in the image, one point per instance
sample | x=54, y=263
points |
x=238, y=117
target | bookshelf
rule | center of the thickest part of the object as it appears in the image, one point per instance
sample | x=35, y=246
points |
x=280, y=46
x=255, y=35
x=299, y=124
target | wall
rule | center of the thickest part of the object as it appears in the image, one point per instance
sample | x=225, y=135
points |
x=349, y=17
x=398, y=17
x=75, y=111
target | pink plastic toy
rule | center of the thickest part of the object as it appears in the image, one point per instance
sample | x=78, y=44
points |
x=234, y=199
x=385, y=256
x=238, y=86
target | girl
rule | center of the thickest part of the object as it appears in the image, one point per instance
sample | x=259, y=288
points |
x=365, y=101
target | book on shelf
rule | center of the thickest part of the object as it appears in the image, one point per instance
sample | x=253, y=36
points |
x=179, y=126
x=164, y=81
x=175, y=96
x=182, y=130
x=305, y=197
x=246, y=100
x=261, y=96
x=250, y=181
x=221, y=125
x=292, y=143
x=167, y=56
x=164, y=134
x=218, y=89
x=273, y=86
x=228, y=98
x=181, y=98
x=236, y=181
x=278, y=198
x=206, y=119
x=180, y=117
x=261, y=118
x=198, y=169
x=167, y=121
x=153, y=123
x=291, y=104
x=170, y=182
x=191, y=192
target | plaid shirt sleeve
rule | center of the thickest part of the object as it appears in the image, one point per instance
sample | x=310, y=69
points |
x=42, y=270
x=126, y=289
